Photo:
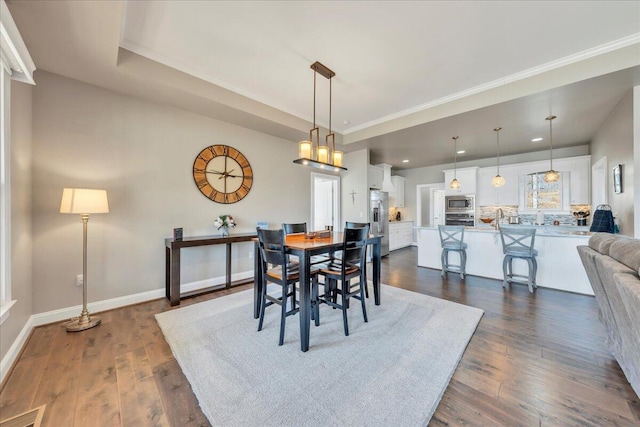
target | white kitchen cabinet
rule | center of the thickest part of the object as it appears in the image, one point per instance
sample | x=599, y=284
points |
x=400, y=234
x=397, y=196
x=467, y=178
x=579, y=178
x=374, y=177
x=507, y=195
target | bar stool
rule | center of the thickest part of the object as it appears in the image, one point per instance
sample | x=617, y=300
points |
x=518, y=243
x=451, y=239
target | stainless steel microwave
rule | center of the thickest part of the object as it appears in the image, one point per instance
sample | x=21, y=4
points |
x=460, y=203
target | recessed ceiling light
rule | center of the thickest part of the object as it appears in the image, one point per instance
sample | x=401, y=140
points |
x=347, y=122
x=405, y=161
x=461, y=151
x=536, y=140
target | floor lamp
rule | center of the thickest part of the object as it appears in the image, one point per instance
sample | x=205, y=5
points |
x=83, y=201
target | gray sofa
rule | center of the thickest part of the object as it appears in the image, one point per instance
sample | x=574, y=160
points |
x=612, y=263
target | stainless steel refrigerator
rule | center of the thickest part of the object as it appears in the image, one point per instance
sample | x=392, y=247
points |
x=379, y=217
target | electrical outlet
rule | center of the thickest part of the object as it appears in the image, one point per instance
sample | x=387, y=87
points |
x=250, y=254
x=79, y=280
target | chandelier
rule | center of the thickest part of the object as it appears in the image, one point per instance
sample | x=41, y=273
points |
x=321, y=155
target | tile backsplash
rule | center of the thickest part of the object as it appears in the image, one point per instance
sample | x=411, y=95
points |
x=530, y=219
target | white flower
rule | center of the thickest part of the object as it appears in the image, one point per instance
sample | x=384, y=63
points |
x=224, y=221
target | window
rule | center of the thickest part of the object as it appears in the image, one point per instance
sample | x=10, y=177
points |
x=5, y=212
x=542, y=195
x=15, y=64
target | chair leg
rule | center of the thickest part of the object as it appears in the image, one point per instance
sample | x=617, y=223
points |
x=316, y=300
x=364, y=306
x=535, y=271
x=263, y=304
x=505, y=280
x=283, y=313
x=444, y=261
x=364, y=277
x=345, y=300
x=531, y=274
x=463, y=263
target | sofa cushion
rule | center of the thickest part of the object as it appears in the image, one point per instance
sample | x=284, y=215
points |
x=588, y=255
x=627, y=252
x=628, y=287
x=601, y=242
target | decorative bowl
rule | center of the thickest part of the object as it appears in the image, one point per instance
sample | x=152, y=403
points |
x=486, y=220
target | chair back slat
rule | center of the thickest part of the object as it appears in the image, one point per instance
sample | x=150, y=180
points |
x=354, y=245
x=295, y=228
x=451, y=235
x=350, y=224
x=272, y=247
x=518, y=240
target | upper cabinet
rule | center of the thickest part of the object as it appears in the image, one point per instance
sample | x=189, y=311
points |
x=397, y=196
x=575, y=190
x=579, y=169
x=375, y=176
x=487, y=195
x=467, y=178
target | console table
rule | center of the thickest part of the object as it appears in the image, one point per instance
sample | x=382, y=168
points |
x=172, y=260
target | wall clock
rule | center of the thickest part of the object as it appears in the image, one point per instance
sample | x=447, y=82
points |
x=222, y=174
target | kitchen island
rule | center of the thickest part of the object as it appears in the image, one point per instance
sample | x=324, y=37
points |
x=559, y=265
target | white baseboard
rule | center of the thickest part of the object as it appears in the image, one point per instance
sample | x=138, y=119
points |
x=14, y=350
x=98, y=306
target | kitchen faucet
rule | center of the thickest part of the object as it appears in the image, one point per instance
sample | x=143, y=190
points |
x=499, y=214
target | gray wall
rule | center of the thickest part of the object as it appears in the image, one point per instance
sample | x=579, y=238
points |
x=355, y=208
x=142, y=154
x=21, y=239
x=614, y=139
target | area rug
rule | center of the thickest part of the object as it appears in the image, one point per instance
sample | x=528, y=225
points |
x=392, y=370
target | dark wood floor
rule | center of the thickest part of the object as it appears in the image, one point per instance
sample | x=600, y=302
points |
x=534, y=360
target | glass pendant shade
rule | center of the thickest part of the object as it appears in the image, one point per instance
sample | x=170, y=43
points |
x=323, y=154
x=551, y=176
x=337, y=158
x=304, y=149
x=455, y=184
x=497, y=181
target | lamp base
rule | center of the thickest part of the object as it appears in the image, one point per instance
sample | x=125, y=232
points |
x=83, y=322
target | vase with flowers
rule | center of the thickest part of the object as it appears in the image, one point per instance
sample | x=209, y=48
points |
x=224, y=223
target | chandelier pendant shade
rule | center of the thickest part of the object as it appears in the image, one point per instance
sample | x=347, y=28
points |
x=498, y=180
x=322, y=156
x=455, y=184
x=551, y=175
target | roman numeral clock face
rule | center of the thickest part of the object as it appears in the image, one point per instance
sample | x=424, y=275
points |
x=222, y=174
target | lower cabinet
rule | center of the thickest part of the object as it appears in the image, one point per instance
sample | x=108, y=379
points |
x=400, y=234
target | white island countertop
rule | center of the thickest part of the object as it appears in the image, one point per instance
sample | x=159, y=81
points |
x=559, y=265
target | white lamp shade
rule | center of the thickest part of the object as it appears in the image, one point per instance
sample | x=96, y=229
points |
x=337, y=158
x=305, y=149
x=323, y=154
x=84, y=201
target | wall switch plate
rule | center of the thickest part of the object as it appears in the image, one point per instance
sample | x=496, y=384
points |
x=79, y=280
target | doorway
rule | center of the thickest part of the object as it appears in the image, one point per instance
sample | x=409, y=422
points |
x=429, y=205
x=325, y=201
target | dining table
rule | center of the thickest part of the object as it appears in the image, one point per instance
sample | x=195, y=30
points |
x=304, y=246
